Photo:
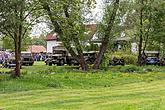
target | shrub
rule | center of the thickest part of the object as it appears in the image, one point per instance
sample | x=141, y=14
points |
x=130, y=69
x=105, y=62
x=129, y=57
x=54, y=85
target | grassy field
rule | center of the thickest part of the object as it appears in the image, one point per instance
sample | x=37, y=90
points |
x=64, y=88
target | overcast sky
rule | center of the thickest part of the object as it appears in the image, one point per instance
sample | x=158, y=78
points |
x=43, y=28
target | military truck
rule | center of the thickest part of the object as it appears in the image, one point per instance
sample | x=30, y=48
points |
x=90, y=56
x=27, y=58
x=61, y=57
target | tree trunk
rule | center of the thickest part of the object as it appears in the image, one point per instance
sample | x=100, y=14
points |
x=17, y=57
x=106, y=38
x=140, y=59
x=79, y=58
x=18, y=39
x=100, y=55
x=83, y=63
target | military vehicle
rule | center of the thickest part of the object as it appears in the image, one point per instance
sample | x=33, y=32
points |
x=61, y=57
x=117, y=61
x=90, y=56
x=27, y=58
x=10, y=63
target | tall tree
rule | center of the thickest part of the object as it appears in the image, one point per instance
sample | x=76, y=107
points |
x=157, y=39
x=140, y=59
x=67, y=19
x=107, y=34
x=15, y=21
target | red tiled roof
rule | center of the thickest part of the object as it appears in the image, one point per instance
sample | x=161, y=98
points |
x=36, y=49
x=52, y=36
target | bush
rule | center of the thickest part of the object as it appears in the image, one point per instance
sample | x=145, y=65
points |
x=130, y=69
x=129, y=57
x=105, y=62
x=54, y=85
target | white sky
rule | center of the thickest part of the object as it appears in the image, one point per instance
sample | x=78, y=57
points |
x=97, y=13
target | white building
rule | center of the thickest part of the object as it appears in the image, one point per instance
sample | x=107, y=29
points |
x=134, y=47
x=52, y=40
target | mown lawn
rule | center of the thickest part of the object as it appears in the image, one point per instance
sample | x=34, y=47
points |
x=64, y=88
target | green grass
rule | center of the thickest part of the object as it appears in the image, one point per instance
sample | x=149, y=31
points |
x=64, y=88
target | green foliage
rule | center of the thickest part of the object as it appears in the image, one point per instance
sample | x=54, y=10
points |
x=105, y=61
x=91, y=47
x=130, y=69
x=42, y=77
x=129, y=57
x=39, y=41
x=74, y=89
x=157, y=35
x=67, y=18
x=8, y=43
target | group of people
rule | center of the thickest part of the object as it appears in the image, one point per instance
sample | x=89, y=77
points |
x=39, y=57
x=4, y=55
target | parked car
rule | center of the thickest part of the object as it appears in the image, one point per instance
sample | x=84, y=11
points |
x=152, y=57
x=152, y=61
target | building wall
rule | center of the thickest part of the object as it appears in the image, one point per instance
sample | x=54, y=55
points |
x=51, y=44
x=134, y=47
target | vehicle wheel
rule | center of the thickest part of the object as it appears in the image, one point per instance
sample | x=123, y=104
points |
x=89, y=62
x=70, y=64
x=62, y=62
x=50, y=64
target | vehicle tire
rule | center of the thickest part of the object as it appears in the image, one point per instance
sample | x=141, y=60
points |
x=50, y=64
x=62, y=62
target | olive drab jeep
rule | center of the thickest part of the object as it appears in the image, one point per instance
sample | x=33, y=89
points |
x=90, y=56
x=117, y=61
